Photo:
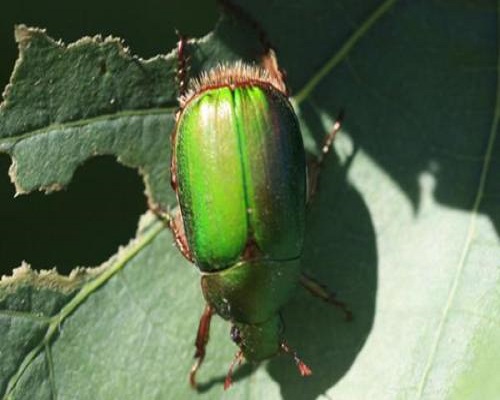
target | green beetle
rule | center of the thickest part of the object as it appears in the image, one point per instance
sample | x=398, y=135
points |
x=239, y=172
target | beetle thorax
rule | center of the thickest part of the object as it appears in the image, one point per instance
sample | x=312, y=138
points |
x=232, y=76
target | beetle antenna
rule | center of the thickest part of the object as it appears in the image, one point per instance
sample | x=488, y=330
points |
x=301, y=365
x=238, y=358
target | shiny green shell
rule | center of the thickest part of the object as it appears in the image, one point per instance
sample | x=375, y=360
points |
x=241, y=175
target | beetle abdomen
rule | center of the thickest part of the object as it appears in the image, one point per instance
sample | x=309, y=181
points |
x=251, y=292
x=240, y=169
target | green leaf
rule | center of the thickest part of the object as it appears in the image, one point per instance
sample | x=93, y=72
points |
x=65, y=104
x=405, y=225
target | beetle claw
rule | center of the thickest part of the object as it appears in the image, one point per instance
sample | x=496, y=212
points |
x=301, y=365
x=192, y=373
x=238, y=358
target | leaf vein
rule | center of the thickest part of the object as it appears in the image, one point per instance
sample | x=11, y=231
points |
x=55, y=322
x=340, y=55
x=50, y=364
x=470, y=231
x=13, y=140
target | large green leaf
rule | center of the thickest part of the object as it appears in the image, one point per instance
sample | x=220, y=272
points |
x=405, y=223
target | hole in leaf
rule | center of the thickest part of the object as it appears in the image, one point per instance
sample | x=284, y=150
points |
x=80, y=226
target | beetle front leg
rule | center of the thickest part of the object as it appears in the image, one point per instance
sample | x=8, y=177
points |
x=177, y=227
x=174, y=222
x=268, y=58
x=182, y=63
x=201, y=342
x=314, y=166
x=319, y=290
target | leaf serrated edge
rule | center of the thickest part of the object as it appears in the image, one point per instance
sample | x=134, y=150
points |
x=122, y=258
x=49, y=279
x=52, y=279
x=23, y=35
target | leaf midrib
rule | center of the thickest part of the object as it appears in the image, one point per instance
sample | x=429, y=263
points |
x=55, y=321
x=471, y=230
x=83, y=122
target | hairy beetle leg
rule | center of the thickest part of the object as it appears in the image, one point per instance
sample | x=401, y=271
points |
x=177, y=227
x=201, y=342
x=174, y=222
x=319, y=290
x=182, y=63
x=314, y=166
x=268, y=58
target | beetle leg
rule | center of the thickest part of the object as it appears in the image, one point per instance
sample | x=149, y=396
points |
x=268, y=60
x=314, y=166
x=319, y=290
x=182, y=60
x=239, y=13
x=201, y=342
x=270, y=63
x=238, y=358
x=177, y=226
x=301, y=365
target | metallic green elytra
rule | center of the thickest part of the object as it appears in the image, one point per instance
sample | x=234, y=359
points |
x=241, y=175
